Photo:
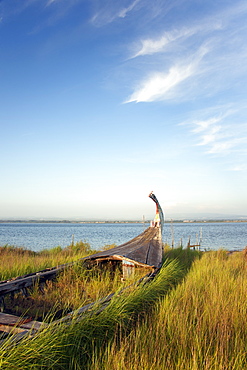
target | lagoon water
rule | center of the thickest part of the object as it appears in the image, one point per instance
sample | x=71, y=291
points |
x=38, y=236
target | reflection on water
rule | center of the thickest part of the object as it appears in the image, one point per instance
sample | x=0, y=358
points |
x=228, y=235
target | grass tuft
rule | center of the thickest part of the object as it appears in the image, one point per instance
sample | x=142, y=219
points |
x=192, y=316
x=200, y=325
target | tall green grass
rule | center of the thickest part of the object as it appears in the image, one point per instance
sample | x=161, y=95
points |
x=200, y=325
x=73, y=346
x=192, y=316
x=75, y=287
x=20, y=261
x=185, y=256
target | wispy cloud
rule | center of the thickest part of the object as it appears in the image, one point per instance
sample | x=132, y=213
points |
x=152, y=46
x=239, y=168
x=170, y=56
x=58, y=9
x=8, y=9
x=49, y=2
x=203, y=125
x=109, y=11
x=159, y=85
x=160, y=44
x=124, y=11
x=222, y=146
x=223, y=134
x=211, y=136
x=207, y=26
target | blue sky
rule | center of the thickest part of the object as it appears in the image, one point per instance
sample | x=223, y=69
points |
x=105, y=101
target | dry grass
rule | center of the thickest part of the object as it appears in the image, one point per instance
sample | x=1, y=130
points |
x=75, y=286
x=72, y=346
x=19, y=261
x=200, y=325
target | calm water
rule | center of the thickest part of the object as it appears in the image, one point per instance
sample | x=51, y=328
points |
x=40, y=236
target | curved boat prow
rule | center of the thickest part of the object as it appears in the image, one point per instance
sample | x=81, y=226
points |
x=145, y=250
x=159, y=217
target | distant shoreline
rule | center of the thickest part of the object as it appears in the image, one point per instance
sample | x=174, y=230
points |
x=114, y=221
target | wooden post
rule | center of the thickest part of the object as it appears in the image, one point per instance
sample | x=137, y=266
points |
x=172, y=232
x=188, y=245
x=1, y=304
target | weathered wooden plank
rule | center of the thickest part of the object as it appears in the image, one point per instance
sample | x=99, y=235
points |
x=12, y=329
x=15, y=324
x=15, y=338
x=8, y=319
x=145, y=249
x=33, y=325
x=28, y=281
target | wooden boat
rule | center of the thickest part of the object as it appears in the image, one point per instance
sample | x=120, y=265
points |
x=145, y=250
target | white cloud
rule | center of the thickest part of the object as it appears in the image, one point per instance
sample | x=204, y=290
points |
x=227, y=137
x=152, y=46
x=219, y=71
x=211, y=136
x=109, y=11
x=239, y=168
x=204, y=124
x=158, y=85
x=49, y=2
x=222, y=146
x=123, y=12
x=217, y=22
